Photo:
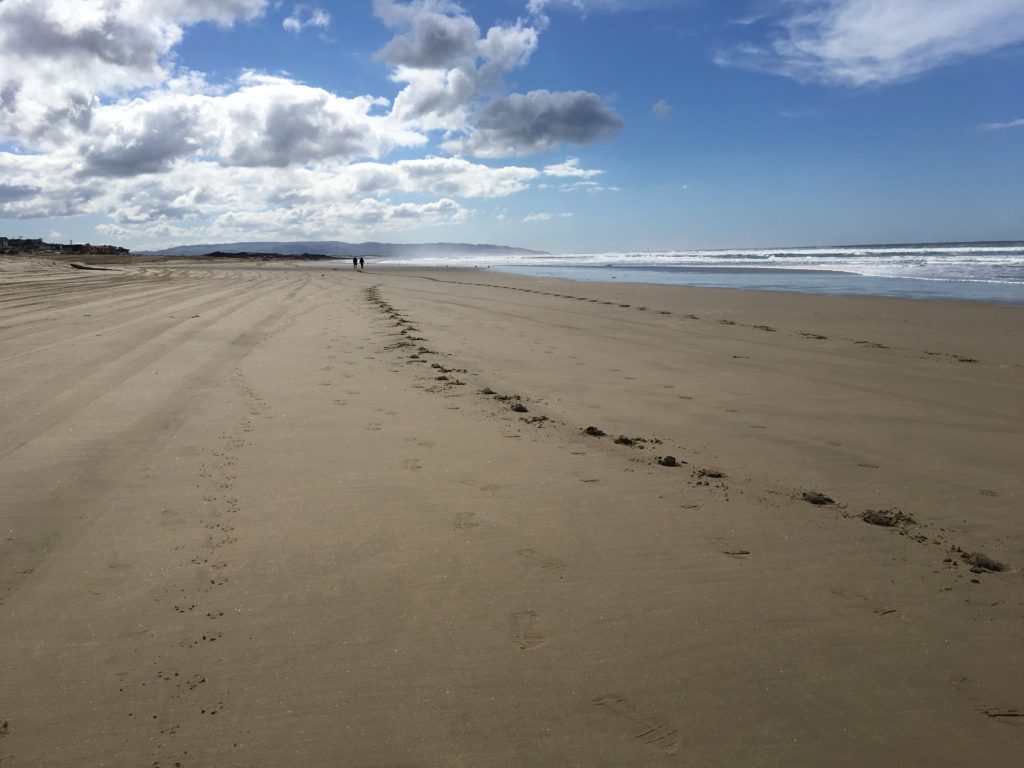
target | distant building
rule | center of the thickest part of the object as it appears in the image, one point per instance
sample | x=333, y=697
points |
x=25, y=244
x=21, y=244
x=89, y=248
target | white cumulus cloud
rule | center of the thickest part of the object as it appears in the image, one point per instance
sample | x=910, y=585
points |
x=278, y=122
x=57, y=58
x=538, y=121
x=444, y=62
x=101, y=119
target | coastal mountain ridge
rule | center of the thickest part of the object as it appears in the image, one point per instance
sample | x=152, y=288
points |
x=338, y=248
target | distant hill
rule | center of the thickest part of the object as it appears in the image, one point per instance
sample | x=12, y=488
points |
x=336, y=248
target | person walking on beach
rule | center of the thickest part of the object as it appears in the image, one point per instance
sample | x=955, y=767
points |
x=355, y=262
x=361, y=263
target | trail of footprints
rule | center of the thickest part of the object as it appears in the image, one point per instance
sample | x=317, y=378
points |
x=525, y=633
x=194, y=598
x=708, y=479
x=525, y=624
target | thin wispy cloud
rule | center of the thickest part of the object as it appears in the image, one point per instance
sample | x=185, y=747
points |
x=797, y=114
x=570, y=168
x=305, y=16
x=545, y=216
x=874, y=42
x=586, y=186
x=661, y=109
x=746, y=21
x=538, y=10
x=1000, y=126
x=605, y=6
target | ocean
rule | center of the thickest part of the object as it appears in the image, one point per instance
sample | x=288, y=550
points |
x=977, y=271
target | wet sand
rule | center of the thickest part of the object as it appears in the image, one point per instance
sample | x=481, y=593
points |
x=286, y=514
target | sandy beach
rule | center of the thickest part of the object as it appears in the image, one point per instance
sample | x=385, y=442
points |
x=298, y=515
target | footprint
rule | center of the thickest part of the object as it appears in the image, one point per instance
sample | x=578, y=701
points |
x=524, y=630
x=547, y=563
x=195, y=681
x=650, y=731
x=212, y=709
x=1005, y=715
x=466, y=520
x=412, y=464
x=420, y=442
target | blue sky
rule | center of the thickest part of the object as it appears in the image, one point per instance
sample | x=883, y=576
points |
x=564, y=125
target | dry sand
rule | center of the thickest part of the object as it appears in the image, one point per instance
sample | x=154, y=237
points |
x=268, y=516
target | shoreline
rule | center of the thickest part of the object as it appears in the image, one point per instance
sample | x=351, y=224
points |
x=814, y=281
x=266, y=510
x=808, y=281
